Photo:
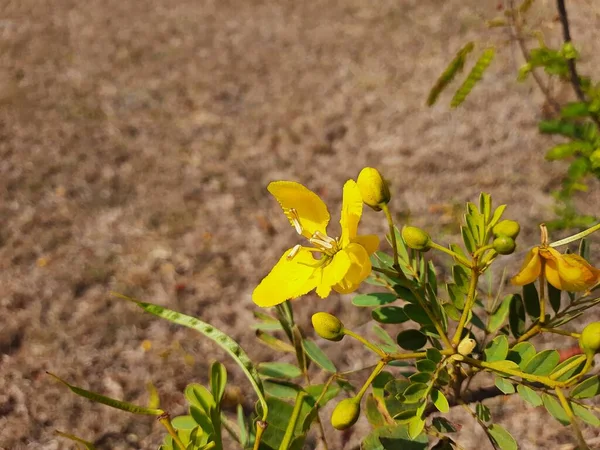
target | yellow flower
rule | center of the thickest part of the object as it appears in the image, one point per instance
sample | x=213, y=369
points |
x=568, y=272
x=329, y=263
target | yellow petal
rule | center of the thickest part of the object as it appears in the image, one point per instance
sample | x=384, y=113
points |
x=358, y=271
x=531, y=269
x=352, y=205
x=312, y=212
x=290, y=278
x=369, y=242
x=333, y=273
x=569, y=272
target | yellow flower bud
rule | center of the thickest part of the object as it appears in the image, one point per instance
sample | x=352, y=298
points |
x=416, y=238
x=328, y=326
x=508, y=228
x=345, y=413
x=466, y=346
x=373, y=188
x=504, y=245
x=589, y=341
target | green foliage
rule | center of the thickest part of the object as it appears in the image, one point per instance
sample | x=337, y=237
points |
x=455, y=66
x=473, y=77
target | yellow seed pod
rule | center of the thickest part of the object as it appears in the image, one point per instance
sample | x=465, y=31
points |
x=466, y=346
x=416, y=238
x=345, y=413
x=504, y=245
x=328, y=326
x=589, y=341
x=508, y=228
x=373, y=188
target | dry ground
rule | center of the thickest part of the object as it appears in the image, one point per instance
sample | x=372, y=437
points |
x=136, y=142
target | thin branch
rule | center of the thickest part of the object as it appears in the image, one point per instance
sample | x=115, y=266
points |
x=517, y=32
x=574, y=76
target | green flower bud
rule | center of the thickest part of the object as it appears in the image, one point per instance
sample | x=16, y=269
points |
x=328, y=326
x=504, y=245
x=345, y=413
x=508, y=228
x=589, y=341
x=416, y=238
x=373, y=188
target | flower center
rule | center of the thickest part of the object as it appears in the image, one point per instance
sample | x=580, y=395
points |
x=320, y=241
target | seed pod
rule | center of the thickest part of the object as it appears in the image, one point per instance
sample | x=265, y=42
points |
x=345, y=413
x=373, y=188
x=589, y=341
x=416, y=238
x=328, y=326
x=508, y=228
x=504, y=245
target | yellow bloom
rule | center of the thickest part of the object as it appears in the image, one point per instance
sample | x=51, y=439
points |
x=329, y=263
x=566, y=272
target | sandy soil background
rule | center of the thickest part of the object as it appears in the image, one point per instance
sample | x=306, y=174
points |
x=136, y=142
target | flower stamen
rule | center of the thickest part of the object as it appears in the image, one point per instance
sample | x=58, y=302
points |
x=294, y=252
x=292, y=214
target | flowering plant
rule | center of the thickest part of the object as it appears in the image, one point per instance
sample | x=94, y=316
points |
x=445, y=334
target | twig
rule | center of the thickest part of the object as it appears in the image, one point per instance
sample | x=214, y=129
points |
x=574, y=76
x=517, y=32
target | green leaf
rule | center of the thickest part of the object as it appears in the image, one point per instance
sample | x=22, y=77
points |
x=452, y=311
x=502, y=366
x=415, y=426
x=374, y=416
x=554, y=297
x=440, y=401
x=389, y=314
x=521, y=354
x=383, y=335
x=516, y=316
x=529, y=395
x=497, y=350
x=574, y=370
x=421, y=377
x=318, y=356
x=280, y=413
x=242, y=426
x=197, y=395
x=405, y=294
x=380, y=382
x=434, y=355
x=425, y=365
x=443, y=425
x=502, y=438
x=218, y=380
x=455, y=66
x=574, y=109
x=394, y=437
x=585, y=415
x=281, y=389
x=499, y=316
x=184, y=423
x=587, y=389
x=376, y=299
x=504, y=385
x=273, y=342
x=316, y=392
x=483, y=412
x=417, y=314
x=411, y=340
x=543, y=363
x=474, y=77
x=531, y=300
x=415, y=392
x=553, y=406
x=118, y=404
x=468, y=239
x=279, y=370
x=229, y=345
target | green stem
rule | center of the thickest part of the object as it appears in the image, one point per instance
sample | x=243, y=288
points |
x=261, y=426
x=165, y=420
x=378, y=368
x=565, y=404
x=415, y=355
x=535, y=329
x=561, y=332
x=480, y=250
x=390, y=220
x=365, y=342
x=389, y=273
x=454, y=255
x=516, y=373
x=588, y=365
x=289, y=431
x=471, y=295
x=575, y=237
x=432, y=317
